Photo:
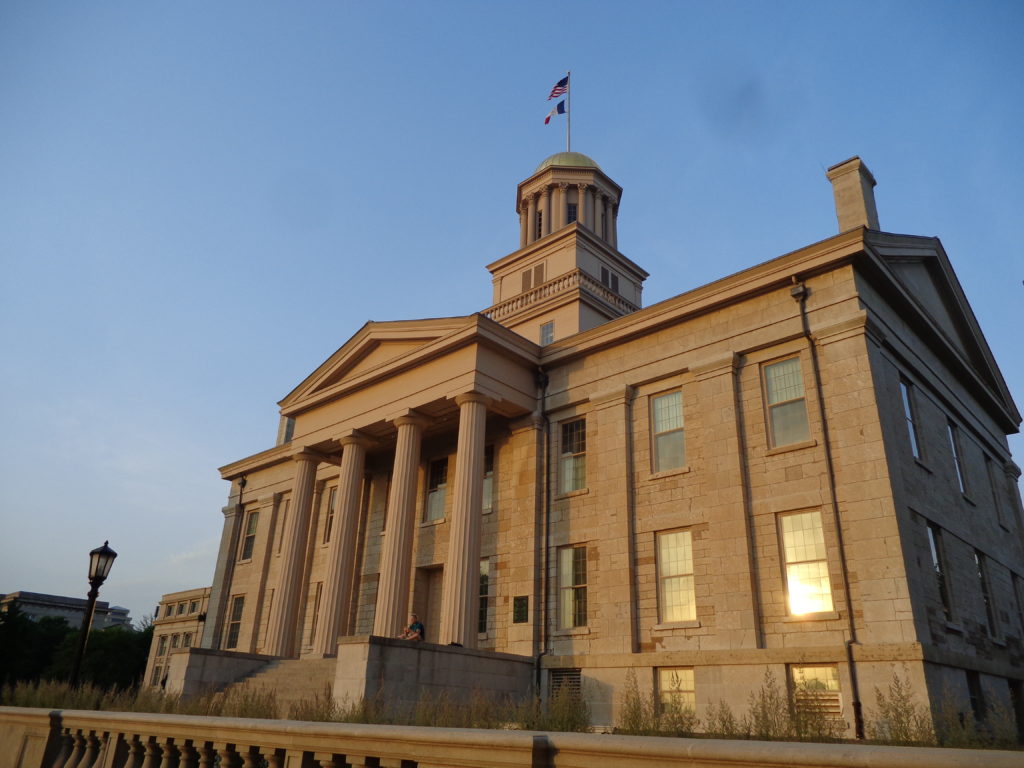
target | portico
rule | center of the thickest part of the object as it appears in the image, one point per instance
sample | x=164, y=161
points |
x=468, y=374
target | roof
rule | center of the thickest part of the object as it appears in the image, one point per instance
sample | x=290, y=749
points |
x=572, y=159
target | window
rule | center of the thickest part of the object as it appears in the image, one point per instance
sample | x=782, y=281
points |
x=954, y=445
x=908, y=414
x=533, y=277
x=570, y=213
x=488, y=488
x=547, y=332
x=437, y=486
x=181, y=609
x=540, y=225
x=285, y=503
x=156, y=612
x=807, y=581
x=787, y=411
x=572, y=587
x=573, y=459
x=986, y=597
x=993, y=484
x=161, y=648
x=676, y=690
x=248, y=540
x=318, y=590
x=193, y=606
x=609, y=279
x=675, y=577
x=289, y=429
x=1018, y=593
x=481, y=625
x=565, y=682
x=816, y=690
x=668, y=433
x=234, y=621
x=520, y=609
x=332, y=498
x=186, y=640
x=175, y=640
x=976, y=694
x=155, y=679
x=939, y=569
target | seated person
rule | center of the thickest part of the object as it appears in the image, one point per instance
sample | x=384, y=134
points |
x=414, y=631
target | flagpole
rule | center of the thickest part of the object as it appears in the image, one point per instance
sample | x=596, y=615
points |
x=568, y=108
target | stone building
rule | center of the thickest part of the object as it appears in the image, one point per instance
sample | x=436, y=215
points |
x=177, y=625
x=37, y=605
x=800, y=468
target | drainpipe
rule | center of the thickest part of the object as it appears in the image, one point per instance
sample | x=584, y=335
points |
x=799, y=292
x=545, y=469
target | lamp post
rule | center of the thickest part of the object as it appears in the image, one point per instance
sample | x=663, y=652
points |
x=100, y=561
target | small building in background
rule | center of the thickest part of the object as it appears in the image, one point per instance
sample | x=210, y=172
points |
x=36, y=605
x=177, y=624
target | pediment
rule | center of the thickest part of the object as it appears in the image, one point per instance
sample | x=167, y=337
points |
x=923, y=270
x=923, y=280
x=374, y=346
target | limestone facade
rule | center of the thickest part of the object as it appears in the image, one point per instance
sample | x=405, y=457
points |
x=177, y=626
x=801, y=468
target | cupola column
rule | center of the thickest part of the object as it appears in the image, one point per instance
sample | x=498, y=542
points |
x=546, y=215
x=284, y=611
x=337, y=596
x=396, y=557
x=599, y=212
x=531, y=219
x=581, y=203
x=460, y=602
x=613, y=222
x=562, y=205
x=524, y=223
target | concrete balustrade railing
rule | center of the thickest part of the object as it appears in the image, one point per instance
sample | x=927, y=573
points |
x=36, y=738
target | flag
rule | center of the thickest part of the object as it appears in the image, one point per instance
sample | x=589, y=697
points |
x=561, y=87
x=558, y=110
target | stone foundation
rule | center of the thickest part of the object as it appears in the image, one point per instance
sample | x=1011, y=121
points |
x=405, y=670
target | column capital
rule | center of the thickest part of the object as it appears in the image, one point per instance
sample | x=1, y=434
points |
x=409, y=416
x=355, y=437
x=305, y=454
x=231, y=510
x=472, y=397
x=563, y=185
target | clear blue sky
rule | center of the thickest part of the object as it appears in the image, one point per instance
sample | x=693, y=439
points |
x=197, y=201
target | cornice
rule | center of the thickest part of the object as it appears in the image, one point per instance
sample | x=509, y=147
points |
x=474, y=329
x=552, y=242
x=756, y=280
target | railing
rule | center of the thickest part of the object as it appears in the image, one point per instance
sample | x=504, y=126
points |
x=576, y=278
x=35, y=738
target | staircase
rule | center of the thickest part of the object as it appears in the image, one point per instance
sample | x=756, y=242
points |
x=291, y=680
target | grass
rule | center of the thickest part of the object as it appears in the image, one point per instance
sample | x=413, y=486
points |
x=898, y=717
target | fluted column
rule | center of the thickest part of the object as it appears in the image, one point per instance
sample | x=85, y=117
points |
x=581, y=203
x=283, y=612
x=396, y=558
x=337, y=595
x=545, y=228
x=531, y=219
x=613, y=224
x=562, y=206
x=524, y=219
x=460, y=604
x=599, y=211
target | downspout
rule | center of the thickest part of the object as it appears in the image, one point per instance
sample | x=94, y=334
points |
x=543, y=476
x=799, y=292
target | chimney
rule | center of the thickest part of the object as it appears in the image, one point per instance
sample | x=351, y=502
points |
x=853, y=187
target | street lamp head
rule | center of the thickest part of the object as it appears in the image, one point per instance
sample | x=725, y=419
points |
x=100, y=561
